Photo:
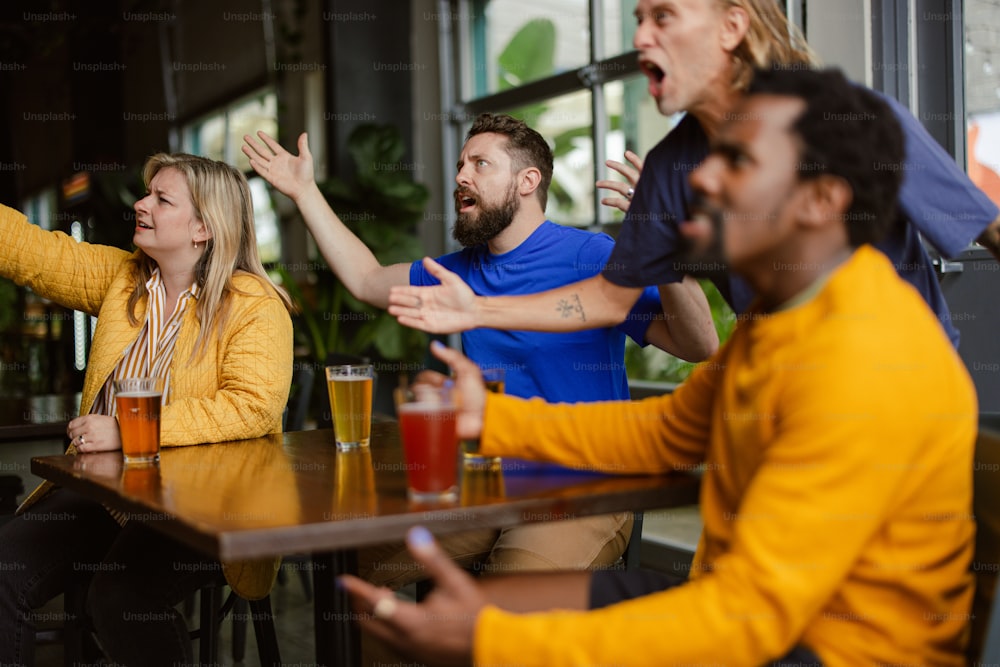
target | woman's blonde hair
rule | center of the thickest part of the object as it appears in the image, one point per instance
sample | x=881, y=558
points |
x=221, y=198
x=771, y=40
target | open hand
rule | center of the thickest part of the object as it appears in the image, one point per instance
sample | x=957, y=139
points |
x=446, y=308
x=290, y=174
x=439, y=630
x=625, y=190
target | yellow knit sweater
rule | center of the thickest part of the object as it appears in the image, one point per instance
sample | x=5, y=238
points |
x=238, y=389
x=837, y=441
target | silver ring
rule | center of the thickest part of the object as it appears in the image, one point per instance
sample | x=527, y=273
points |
x=385, y=607
x=83, y=443
x=631, y=191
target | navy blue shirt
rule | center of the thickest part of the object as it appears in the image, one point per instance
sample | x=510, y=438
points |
x=559, y=367
x=937, y=200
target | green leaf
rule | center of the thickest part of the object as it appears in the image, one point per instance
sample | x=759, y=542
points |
x=529, y=56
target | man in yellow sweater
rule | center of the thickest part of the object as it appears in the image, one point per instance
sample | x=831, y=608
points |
x=836, y=428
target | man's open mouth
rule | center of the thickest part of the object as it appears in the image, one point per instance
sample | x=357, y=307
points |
x=652, y=70
x=464, y=200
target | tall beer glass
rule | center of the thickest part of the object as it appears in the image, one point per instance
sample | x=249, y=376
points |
x=138, y=403
x=350, y=390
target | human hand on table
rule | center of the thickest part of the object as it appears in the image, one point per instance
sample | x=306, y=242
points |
x=626, y=190
x=446, y=308
x=437, y=631
x=94, y=433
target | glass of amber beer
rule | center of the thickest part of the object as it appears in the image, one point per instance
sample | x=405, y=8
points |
x=138, y=403
x=350, y=390
x=427, y=417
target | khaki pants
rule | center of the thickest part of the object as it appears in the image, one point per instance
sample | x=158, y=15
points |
x=574, y=544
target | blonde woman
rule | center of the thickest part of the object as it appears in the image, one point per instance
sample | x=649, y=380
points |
x=192, y=305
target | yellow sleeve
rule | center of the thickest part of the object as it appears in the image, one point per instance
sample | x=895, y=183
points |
x=845, y=443
x=54, y=265
x=655, y=435
x=255, y=374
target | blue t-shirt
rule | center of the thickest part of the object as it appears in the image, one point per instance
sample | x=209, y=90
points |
x=937, y=200
x=559, y=367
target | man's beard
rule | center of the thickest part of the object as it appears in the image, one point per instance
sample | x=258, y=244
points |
x=707, y=261
x=472, y=230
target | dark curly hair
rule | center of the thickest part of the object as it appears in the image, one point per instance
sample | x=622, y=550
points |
x=525, y=146
x=848, y=131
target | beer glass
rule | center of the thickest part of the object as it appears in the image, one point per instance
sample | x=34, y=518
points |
x=350, y=389
x=138, y=404
x=430, y=445
x=494, y=379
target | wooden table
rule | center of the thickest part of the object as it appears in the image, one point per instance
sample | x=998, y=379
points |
x=37, y=417
x=294, y=493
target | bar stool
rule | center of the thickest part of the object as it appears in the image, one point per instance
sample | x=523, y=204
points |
x=214, y=611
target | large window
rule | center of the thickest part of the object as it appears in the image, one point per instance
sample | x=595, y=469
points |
x=219, y=136
x=982, y=94
x=566, y=67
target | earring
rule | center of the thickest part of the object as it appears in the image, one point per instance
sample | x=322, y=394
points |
x=195, y=243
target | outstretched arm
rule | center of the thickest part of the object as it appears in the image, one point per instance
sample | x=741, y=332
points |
x=452, y=307
x=687, y=330
x=347, y=255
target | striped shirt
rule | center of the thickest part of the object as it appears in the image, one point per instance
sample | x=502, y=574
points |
x=151, y=353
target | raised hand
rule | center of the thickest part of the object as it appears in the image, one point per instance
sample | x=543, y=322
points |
x=626, y=190
x=291, y=174
x=469, y=388
x=446, y=308
x=438, y=631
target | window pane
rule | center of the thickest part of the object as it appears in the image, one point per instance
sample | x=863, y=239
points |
x=517, y=41
x=619, y=27
x=247, y=118
x=265, y=221
x=982, y=94
x=634, y=123
x=566, y=123
x=208, y=138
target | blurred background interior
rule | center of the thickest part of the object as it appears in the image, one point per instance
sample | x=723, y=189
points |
x=386, y=89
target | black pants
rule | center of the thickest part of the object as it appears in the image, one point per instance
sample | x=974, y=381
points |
x=137, y=576
x=609, y=587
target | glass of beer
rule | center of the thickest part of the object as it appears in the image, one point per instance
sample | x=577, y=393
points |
x=494, y=379
x=138, y=404
x=350, y=390
x=430, y=445
x=482, y=480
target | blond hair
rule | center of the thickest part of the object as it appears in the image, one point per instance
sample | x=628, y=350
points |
x=771, y=40
x=221, y=198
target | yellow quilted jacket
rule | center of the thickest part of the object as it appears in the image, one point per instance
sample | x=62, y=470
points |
x=236, y=390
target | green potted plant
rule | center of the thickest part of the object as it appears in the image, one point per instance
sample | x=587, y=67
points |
x=383, y=206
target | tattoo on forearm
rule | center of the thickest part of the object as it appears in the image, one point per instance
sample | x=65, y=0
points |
x=570, y=307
